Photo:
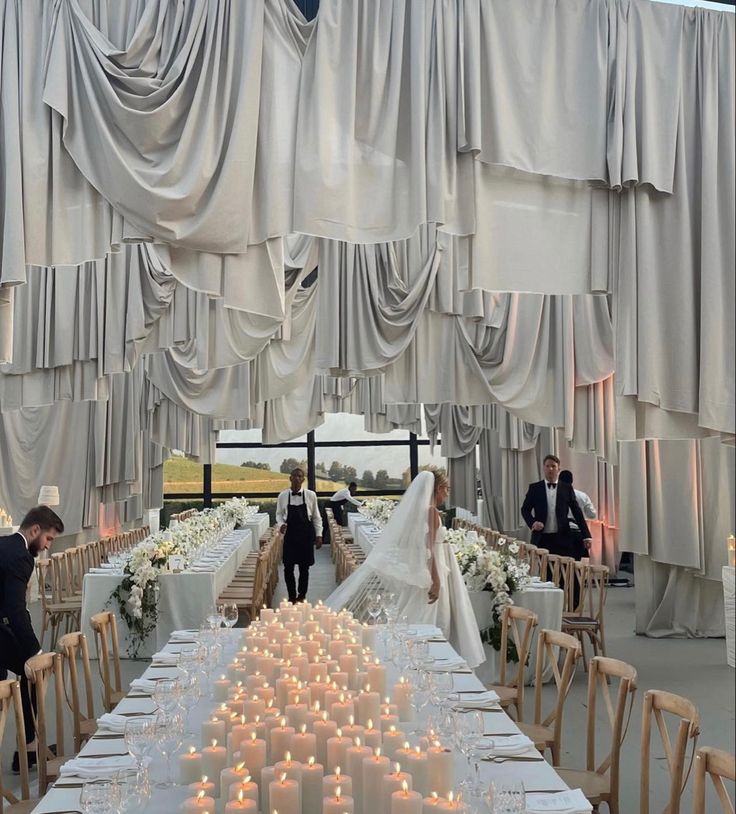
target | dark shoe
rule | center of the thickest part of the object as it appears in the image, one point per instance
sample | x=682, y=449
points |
x=16, y=762
x=301, y=599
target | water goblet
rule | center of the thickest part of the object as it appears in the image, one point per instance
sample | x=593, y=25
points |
x=139, y=734
x=506, y=797
x=135, y=790
x=468, y=732
x=99, y=797
x=169, y=736
x=441, y=685
x=166, y=694
x=231, y=614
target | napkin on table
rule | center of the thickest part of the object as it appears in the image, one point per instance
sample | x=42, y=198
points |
x=97, y=767
x=183, y=635
x=165, y=658
x=561, y=802
x=477, y=701
x=112, y=722
x=509, y=745
x=445, y=665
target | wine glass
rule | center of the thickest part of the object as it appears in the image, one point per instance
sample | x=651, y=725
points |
x=139, y=734
x=214, y=617
x=506, y=797
x=166, y=694
x=421, y=697
x=230, y=614
x=134, y=789
x=441, y=685
x=191, y=692
x=169, y=736
x=99, y=797
x=468, y=732
x=375, y=605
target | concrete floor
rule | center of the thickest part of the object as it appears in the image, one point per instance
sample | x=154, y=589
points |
x=694, y=668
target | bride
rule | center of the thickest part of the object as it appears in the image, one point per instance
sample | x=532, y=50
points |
x=413, y=559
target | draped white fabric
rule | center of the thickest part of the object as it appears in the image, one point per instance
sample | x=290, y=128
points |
x=216, y=214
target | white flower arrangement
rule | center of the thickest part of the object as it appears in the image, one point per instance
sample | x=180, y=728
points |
x=378, y=510
x=240, y=510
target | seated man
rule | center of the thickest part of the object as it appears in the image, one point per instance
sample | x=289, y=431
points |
x=18, y=642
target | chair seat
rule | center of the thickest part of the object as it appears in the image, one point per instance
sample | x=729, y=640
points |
x=579, y=621
x=506, y=694
x=541, y=735
x=21, y=807
x=596, y=787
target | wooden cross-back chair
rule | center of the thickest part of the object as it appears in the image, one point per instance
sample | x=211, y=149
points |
x=586, y=620
x=716, y=764
x=10, y=699
x=41, y=671
x=105, y=628
x=599, y=781
x=657, y=705
x=519, y=624
x=551, y=645
x=538, y=562
x=79, y=689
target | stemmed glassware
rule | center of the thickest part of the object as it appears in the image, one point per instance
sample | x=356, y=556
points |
x=422, y=693
x=468, y=730
x=139, y=738
x=135, y=790
x=166, y=694
x=375, y=606
x=230, y=614
x=191, y=692
x=100, y=797
x=506, y=797
x=169, y=736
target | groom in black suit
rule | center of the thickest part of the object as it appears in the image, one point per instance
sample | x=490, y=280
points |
x=546, y=510
x=18, y=640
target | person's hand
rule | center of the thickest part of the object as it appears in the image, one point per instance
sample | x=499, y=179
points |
x=587, y=542
x=434, y=592
x=537, y=525
x=318, y=542
x=283, y=528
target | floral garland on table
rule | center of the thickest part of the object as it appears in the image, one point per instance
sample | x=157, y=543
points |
x=377, y=510
x=137, y=595
x=496, y=570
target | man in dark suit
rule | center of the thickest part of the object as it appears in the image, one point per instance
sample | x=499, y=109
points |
x=18, y=641
x=546, y=510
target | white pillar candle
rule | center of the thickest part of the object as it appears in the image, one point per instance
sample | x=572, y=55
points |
x=406, y=802
x=353, y=730
x=332, y=696
x=221, y=688
x=203, y=786
x=348, y=662
x=311, y=648
x=371, y=736
x=338, y=780
x=393, y=740
x=267, y=614
x=341, y=678
x=429, y=805
x=337, y=750
x=290, y=649
x=377, y=677
x=190, y=766
x=369, y=705
x=283, y=796
x=341, y=711
x=390, y=783
x=281, y=740
x=230, y=776
x=303, y=745
x=241, y=805
x=339, y=804
x=214, y=760
x=291, y=768
x=312, y=777
x=324, y=729
x=301, y=665
x=355, y=757
x=314, y=714
x=368, y=637
x=296, y=714
x=253, y=754
x=417, y=765
x=403, y=700
x=198, y=805
x=247, y=787
x=235, y=705
x=251, y=663
x=358, y=681
x=374, y=769
x=440, y=768
x=253, y=682
x=214, y=729
x=268, y=775
x=265, y=692
x=234, y=670
x=254, y=706
x=451, y=805
x=294, y=626
x=282, y=689
x=337, y=648
x=222, y=713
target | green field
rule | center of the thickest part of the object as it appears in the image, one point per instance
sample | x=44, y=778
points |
x=182, y=475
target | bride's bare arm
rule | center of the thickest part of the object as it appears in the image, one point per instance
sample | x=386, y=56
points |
x=434, y=590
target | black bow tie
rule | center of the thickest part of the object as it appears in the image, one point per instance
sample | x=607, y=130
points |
x=296, y=493
x=551, y=485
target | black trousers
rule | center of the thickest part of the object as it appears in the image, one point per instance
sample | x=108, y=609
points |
x=564, y=545
x=291, y=586
x=11, y=659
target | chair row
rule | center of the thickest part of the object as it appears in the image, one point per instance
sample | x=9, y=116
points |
x=185, y=515
x=346, y=553
x=257, y=577
x=60, y=579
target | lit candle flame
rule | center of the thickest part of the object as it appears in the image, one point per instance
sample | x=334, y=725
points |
x=378, y=751
x=337, y=792
x=214, y=743
x=405, y=787
x=370, y=723
x=283, y=777
x=303, y=728
x=204, y=779
x=200, y=795
x=398, y=767
x=310, y=762
x=240, y=767
x=192, y=750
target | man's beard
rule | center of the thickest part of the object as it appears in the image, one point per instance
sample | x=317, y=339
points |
x=34, y=548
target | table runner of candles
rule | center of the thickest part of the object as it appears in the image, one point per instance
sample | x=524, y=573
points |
x=307, y=714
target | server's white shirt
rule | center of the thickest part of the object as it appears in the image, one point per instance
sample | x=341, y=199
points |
x=304, y=496
x=344, y=494
x=586, y=504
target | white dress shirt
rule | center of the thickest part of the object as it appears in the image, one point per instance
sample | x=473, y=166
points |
x=344, y=494
x=586, y=504
x=550, y=526
x=304, y=496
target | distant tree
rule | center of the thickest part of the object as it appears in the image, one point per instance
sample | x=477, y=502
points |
x=289, y=464
x=368, y=481
x=335, y=471
x=257, y=465
x=381, y=481
x=349, y=473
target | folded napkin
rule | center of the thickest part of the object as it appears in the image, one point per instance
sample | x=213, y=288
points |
x=108, y=571
x=561, y=802
x=165, y=658
x=445, y=665
x=541, y=585
x=112, y=722
x=97, y=767
x=183, y=635
x=510, y=745
x=143, y=684
x=479, y=700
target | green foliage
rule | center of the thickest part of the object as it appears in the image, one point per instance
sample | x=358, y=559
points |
x=381, y=481
x=492, y=635
x=140, y=629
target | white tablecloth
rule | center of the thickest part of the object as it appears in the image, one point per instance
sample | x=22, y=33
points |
x=729, y=603
x=183, y=600
x=258, y=527
x=536, y=776
x=355, y=520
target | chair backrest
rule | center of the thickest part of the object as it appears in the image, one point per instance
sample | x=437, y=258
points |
x=550, y=645
x=108, y=654
x=40, y=670
x=517, y=623
x=76, y=652
x=538, y=562
x=601, y=671
x=10, y=698
x=716, y=764
x=658, y=703
x=592, y=583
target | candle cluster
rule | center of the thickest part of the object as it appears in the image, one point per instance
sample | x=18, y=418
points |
x=304, y=724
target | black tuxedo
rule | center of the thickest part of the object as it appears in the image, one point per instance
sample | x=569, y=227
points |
x=535, y=508
x=18, y=641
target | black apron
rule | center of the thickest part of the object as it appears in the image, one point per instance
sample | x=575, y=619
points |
x=300, y=537
x=337, y=507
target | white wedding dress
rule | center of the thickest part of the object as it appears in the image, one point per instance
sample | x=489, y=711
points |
x=400, y=562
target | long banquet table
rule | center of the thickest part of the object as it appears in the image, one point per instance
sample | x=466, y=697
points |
x=183, y=600
x=258, y=526
x=537, y=775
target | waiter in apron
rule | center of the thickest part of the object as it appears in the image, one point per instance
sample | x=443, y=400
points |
x=340, y=498
x=299, y=519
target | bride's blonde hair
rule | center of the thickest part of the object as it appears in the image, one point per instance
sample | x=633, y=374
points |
x=440, y=476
